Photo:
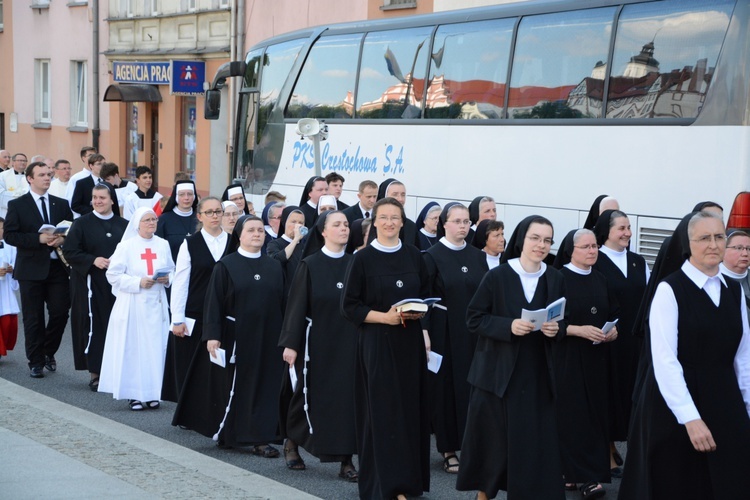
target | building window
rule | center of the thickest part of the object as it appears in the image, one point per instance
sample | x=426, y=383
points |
x=42, y=91
x=39, y=3
x=192, y=5
x=1, y=14
x=78, y=93
x=188, y=135
x=127, y=8
x=153, y=7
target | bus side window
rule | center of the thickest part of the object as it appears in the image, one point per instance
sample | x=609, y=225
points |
x=559, y=60
x=392, y=73
x=468, y=68
x=664, y=58
x=325, y=88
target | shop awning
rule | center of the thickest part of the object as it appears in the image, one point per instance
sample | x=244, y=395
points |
x=132, y=92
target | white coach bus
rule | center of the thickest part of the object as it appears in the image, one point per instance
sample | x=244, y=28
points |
x=542, y=105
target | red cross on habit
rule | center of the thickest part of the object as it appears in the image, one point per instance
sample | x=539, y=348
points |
x=149, y=257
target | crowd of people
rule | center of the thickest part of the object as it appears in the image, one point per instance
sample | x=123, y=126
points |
x=289, y=330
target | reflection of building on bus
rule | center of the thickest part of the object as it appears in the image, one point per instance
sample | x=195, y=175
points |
x=643, y=92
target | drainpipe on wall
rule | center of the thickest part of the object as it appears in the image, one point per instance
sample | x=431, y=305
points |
x=95, y=70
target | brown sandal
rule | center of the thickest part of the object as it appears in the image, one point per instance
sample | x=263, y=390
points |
x=293, y=459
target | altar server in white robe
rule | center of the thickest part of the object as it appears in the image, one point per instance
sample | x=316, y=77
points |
x=135, y=350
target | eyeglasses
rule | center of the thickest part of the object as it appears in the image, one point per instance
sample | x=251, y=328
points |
x=274, y=218
x=460, y=222
x=385, y=218
x=212, y=213
x=719, y=239
x=22, y=161
x=231, y=214
x=587, y=247
x=740, y=248
x=538, y=239
x=149, y=221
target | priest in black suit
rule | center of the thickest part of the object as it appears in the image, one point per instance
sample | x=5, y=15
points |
x=41, y=275
x=81, y=201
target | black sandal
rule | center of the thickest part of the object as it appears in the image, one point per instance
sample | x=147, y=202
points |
x=152, y=405
x=265, y=451
x=617, y=458
x=451, y=468
x=592, y=489
x=135, y=405
x=349, y=473
x=94, y=384
x=293, y=459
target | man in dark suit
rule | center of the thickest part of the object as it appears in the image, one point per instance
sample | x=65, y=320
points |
x=81, y=201
x=368, y=195
x=41, y=275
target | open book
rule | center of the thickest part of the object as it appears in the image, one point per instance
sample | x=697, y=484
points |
x=160, y=273
x=553, y=312
x=61, y=228
x=415, y=305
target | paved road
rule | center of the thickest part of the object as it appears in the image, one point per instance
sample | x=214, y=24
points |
x=71, y=387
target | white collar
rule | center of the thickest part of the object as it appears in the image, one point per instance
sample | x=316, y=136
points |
x=314, y=205
x=450, y=245
x=699, y=277
x=383, y=248
x=363, y=209
x=207, y=236
x=612, y=252
x=427, y=233
x=515, y=264
x=181, y=213
x=286, y=238
x=724, y=270
x=249, y=255
x=37, y=196
x=332, y=254
x=270, y=231
x=103, y=217
x=578, y=270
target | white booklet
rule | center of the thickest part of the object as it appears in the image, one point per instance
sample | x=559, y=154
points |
x=608, y=328
x=553, y=312
x=189, y=325
x=221, y=357
x=434, y=361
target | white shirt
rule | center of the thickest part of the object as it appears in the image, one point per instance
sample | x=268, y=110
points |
x=620, y=259
x=181, y=283
x=529, y=281
x=72, y=187
x=664, y=339
x=492, y=260
x=365, y=213
x=52, y=253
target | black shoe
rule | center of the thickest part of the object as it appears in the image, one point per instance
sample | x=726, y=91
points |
x=37, y=372
x=50, y=363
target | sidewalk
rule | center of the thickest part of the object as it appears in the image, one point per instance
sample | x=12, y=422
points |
x=54, y=450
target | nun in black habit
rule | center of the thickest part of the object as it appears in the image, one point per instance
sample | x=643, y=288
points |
x=195, y=262
x=90, y=243
x=582, y=366
x=238, y=405
x=627, y=274
x=455, y=269
x=477, y=211
x=178, y=219
x=387, y=189
x=691, y=423
x=321, y=345
x=288, y=247
x=511, y=440
x=392, y=421
x=424, y=221
x=236, y=194
x=307, y=206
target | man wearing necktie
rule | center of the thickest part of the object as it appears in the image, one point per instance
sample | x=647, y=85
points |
x=41, y=275
x=13, y=182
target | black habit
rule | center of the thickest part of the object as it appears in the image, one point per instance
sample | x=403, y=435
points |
x=662, y=462
x=244, y=310
x=88, y=238
x=180, y=350
x=582, y=376
x=392, y=418
x=331, y=346
x=454, y=277
x=175, y=228
x=511, y=441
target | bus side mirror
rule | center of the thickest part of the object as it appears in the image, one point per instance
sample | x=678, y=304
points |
x=212, y=105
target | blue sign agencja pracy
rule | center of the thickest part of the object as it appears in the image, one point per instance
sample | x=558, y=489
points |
x=150, y=73
x=187, y=78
